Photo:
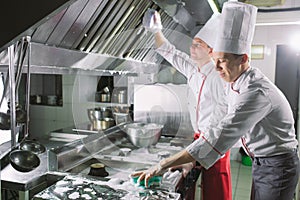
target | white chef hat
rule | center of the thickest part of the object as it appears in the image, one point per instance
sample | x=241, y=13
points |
x=208, y=32
x=236, y=28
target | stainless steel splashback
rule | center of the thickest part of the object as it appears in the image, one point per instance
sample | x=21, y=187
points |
x=165, y=104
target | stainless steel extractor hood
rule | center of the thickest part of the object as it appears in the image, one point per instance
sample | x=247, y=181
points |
x=99, y=31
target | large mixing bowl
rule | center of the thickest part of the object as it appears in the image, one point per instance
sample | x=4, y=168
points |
x=143, y=134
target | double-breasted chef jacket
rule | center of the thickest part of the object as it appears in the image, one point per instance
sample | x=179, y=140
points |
x=205, y=85
x=258, y=112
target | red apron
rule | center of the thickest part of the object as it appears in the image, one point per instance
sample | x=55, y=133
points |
x=216, y=181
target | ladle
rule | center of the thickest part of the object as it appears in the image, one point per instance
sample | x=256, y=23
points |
x=26, y=159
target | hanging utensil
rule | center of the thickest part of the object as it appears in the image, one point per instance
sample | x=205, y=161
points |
x=26, y=159
x=20, y=113
x=4, y=117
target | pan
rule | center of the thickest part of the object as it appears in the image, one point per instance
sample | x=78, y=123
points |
x=23, y=160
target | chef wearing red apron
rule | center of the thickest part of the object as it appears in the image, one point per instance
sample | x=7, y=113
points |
x=205, y=90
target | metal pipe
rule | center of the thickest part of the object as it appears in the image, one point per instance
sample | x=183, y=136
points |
x=11, y=70
x=28, y=38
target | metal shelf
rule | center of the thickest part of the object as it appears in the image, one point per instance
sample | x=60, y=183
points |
x=109, y=104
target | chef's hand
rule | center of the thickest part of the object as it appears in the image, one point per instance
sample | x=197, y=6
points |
x=184, y=167
x=147, y=174
x=152, y=21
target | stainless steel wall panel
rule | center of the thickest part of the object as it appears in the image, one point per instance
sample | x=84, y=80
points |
x=164, y=104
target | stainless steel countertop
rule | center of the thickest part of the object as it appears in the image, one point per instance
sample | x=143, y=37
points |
x=13, y=179
x=20, y=181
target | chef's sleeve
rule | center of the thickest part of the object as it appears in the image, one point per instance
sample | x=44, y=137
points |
x=246, y=112
x=178, y=59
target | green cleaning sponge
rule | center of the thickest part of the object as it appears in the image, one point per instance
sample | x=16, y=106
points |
x=155, y=180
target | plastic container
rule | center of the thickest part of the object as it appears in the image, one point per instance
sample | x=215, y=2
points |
x=246, y=160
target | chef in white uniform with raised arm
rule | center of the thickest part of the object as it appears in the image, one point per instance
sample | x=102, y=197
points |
x=205, y=89
x=258, y=112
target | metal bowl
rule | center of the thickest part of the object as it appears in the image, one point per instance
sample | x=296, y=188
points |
x=32, y=146
x=143, y=134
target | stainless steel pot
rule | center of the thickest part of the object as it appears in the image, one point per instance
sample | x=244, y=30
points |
x=103, y=124
x=102, y=97
x=121, y=118
x=95, y=114
x=122, y=96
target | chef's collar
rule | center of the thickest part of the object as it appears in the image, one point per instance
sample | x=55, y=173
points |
x=236, y=85
x=207, y=68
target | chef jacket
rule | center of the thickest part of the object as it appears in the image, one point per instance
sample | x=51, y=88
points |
x=205, y=85
x=257, y=111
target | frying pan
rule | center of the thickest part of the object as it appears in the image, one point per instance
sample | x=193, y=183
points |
x=23, y=160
